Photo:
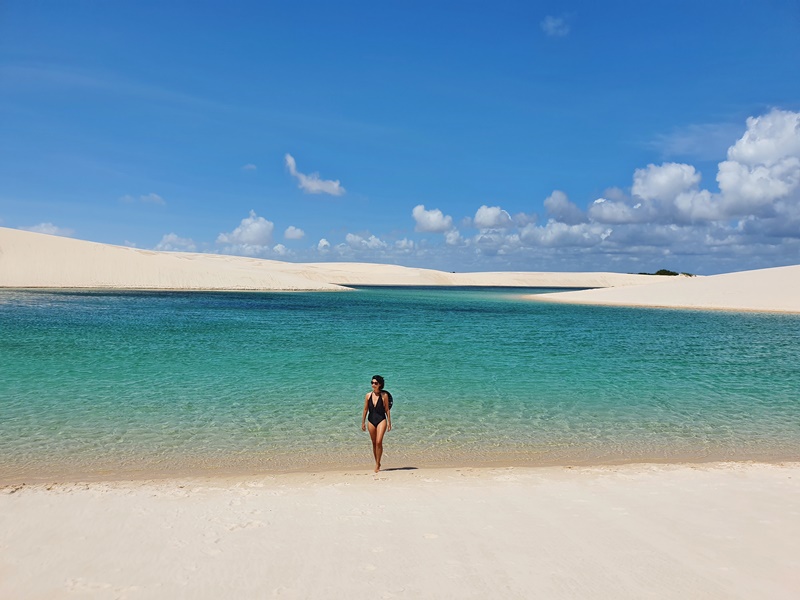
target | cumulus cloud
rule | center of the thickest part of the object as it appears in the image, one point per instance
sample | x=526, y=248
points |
x=663, y=183
x=404, y=245
x=252, y=237
x=312, y=184
x=561, y=234
x=171, y=242
x=560, y=209
x=150, y=198
x=763, y=166
x=358, y=242
x=453, y=238
x=612, y=212
x=431, y=221
x=50, y=229
x=492, y=217
x=294, y=233
x=555, y=26
x=323, y=246
x=769, y=139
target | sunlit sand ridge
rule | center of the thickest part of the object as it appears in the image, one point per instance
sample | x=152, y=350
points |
x=34, y=260
x=770, y=290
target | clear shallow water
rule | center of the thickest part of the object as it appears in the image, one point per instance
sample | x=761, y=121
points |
x=132, y=384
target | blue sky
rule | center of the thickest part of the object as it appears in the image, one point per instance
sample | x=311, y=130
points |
x=618, y=136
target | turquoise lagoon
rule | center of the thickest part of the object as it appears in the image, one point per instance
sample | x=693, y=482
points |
x=101, y=385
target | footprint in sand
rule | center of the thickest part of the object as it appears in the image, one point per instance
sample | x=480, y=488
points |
x=249, y=525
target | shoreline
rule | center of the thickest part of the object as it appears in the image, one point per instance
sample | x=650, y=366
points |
x=721, y=530
x=246, y=474
x=337, y=475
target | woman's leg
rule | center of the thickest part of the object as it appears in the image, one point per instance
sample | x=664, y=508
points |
x=373, y=434
x=380, y=430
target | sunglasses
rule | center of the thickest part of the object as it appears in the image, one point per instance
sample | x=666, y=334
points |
x=375, y=383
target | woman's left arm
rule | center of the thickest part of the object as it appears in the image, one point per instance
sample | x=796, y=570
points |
x=385, y=397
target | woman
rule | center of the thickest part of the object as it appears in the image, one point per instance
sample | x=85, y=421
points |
x=376, y=403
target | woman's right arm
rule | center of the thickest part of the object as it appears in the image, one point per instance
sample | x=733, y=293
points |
x=364, y=414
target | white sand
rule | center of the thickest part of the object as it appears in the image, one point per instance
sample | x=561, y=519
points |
x=35, y=260
x=639, y=531
x=775, y=290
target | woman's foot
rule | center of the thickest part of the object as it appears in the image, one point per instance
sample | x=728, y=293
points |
x=377, y=467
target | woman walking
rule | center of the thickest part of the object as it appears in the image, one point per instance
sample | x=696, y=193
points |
x=376, y=404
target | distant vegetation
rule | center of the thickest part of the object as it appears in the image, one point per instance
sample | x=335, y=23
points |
x=668, y=272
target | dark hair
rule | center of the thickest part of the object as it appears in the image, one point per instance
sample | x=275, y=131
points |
x=379, y=379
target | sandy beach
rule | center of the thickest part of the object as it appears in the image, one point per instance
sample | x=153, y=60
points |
x=656, y=531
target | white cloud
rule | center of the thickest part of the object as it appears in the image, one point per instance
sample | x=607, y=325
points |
x=294, y=233
x=253, y=230
x=150, y=198
x=559, y=234
x=769, y=139
x=171, y=242
x=560, y=208
x=555, y=26
x=492, y=217
x=697, y=206
x=280, y=250
x=762, y=172
x=323, y=246
x=453, y=238
x=312, y=184
x=404, y=244
x=607, y=211
x=50, y=229
x=249, y=167
x=522, y=219
x=663, y=183
x=358, y=242
x=431, y=221
x=252, y=237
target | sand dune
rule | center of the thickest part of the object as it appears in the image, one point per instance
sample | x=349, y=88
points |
x=35, y=260
x=771, y=290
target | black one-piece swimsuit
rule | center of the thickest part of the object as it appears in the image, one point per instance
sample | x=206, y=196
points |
x=377, y=413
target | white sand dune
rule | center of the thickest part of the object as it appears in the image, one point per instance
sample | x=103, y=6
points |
x=35, y=260
x=639, y=531
x=771, y=290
